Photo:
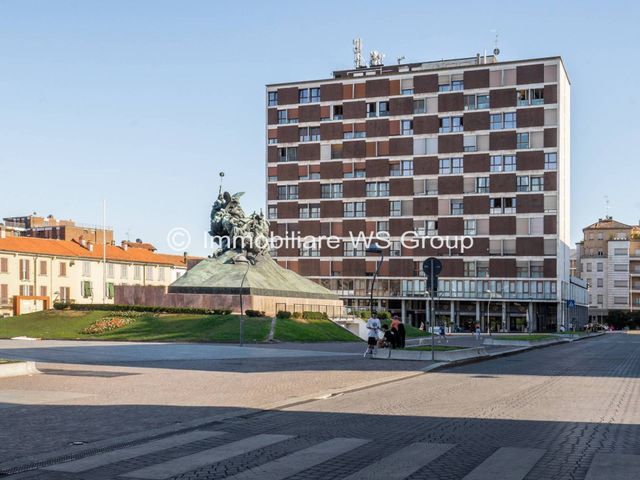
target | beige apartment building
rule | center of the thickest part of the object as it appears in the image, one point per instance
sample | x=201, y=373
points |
x=37, y=272
x=608, y=259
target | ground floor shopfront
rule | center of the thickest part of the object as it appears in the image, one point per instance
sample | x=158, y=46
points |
x=496, y=315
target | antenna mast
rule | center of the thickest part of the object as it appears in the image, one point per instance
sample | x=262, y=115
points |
x=358, y=60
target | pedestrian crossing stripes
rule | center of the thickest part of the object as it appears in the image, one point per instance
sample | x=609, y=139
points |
x=610, y=466
x=505, y=463
x=184, y=464
x=301, y=460
x=107, y=458
x=402, y=463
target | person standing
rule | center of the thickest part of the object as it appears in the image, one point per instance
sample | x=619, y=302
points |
x=401, y=332
x=373, y=328
x=477, y=331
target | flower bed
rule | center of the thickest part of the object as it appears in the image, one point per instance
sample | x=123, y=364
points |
x=112, y=322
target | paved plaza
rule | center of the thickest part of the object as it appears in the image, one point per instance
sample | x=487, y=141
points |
x=570, y=411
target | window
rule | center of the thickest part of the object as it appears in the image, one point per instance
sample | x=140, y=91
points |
x=522, y=140
x=457, y=85
x=482, y=185
x=470, y=143
x=337, y=112
x=86, y=289
x=272, y=212
x=62, y=272
x=534, y=96
x=303, y=134
x=522, y=269
x=509, y=163
x=470, y=227
x=500, y=121
x=372, y=109
x=124, y=272
x=149, y=272
x=351, y=250
x=502, y=205
x=354, y=209
x=600, y=299
x=401, y=168
x=445, y=125
x=273, y=99
x=310, y=249
x=4, y=265
x=137, y=272
x=502, y=163
x=395, y=249
x=599, y=282
x=282, y=116
x=457, y=207
x=303, y=95
x=331, y=190
x=86, y=269
x=25, y=270
x=110, y=290
x=420, y=106
x=551, y=161
x=469, y=269
x=522, y=183
x=599, y=267
x=536, y=269
x=288, y=192
x=43, y=267
x=383, y=109
x=395, y=208
x=470, y=102
x=308, y=211
x=482, y=269
x=382, y=226
x=451, y=166
x=406, y=127
x=315, y=94
x=620, y=267
x=4, y=294
x=377, y=189
x=537, y=184
x=444, y=87
x=495, y=163
x=110, y=270
x=431, y=227
x=482, y=101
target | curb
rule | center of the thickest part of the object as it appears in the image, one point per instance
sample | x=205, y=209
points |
x=17, y=368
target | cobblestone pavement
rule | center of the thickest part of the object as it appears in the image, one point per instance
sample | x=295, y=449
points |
x=570, y=411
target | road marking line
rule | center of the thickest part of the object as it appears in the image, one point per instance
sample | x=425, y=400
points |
x=301, y=460
x=107, y=458
x=611, y=466
x=187, y=463
x=507, y=463
x=402, y=463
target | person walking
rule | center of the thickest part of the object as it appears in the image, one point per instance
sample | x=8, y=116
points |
x=478, y=331
x=373, y=329
x=442, y=335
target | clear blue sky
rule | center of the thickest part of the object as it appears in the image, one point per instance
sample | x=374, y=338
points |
x=144, y=102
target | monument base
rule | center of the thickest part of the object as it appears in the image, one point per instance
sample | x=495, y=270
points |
x=159, y=297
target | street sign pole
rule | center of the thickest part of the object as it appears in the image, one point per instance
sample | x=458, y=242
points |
x=432, y=268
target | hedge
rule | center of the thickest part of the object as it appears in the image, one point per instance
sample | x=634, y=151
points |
x=137, y=308
x=283, y=314
x=254, y=313
x=315, y=316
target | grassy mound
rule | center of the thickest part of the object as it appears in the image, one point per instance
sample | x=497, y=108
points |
x=99, y=325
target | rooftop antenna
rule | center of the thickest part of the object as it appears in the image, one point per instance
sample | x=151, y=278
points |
x=400, y=59
x=221, y=177
x=358, y=60
x=606, y=206
x=375, y=58
x=496, y=50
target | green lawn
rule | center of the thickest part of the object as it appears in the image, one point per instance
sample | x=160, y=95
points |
x=438, y=348
x=529, y=338
x=292, y=330
x=55, y=324
x=5, y=361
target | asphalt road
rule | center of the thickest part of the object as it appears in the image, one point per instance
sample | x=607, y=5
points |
x=570, y=411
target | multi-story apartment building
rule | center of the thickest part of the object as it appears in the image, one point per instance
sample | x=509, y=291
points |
x=608, y=259
x=50, y=227
x=36, y=272
x=471, y=146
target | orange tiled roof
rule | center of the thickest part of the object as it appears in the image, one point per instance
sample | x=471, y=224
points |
x=67, y=248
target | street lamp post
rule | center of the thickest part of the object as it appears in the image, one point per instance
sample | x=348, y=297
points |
x=242, y=305
x=490, y=292
x=374, y=248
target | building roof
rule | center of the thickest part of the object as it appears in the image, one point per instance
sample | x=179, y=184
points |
x=140, y=244
x=72, y=249
x=416, y=68
x=608, y=223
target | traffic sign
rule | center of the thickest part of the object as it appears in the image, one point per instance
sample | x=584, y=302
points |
x=432, y=265
x=571, y=303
